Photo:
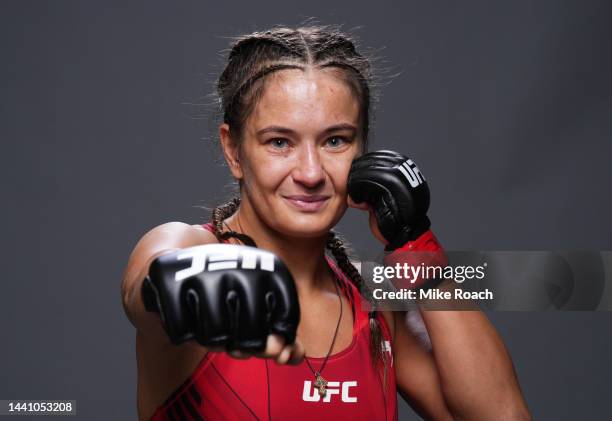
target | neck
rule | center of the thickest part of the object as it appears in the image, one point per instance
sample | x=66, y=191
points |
x=305, y=257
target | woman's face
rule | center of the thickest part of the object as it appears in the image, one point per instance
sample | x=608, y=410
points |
x=297, y=149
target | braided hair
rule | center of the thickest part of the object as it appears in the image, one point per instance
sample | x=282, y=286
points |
x=255, y=56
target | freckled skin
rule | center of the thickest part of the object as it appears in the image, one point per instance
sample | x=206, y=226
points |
x=307, y=103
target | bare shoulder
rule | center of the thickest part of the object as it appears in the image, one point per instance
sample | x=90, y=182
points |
x=157, y=241
x=163, y=238
x=178, y=235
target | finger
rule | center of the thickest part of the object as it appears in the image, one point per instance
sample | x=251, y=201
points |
x=374, y=228
x=386, y=214
x=274, y=345
x=298, y=354
x=284, y=355
x=381, y=159
x=364, y=187
x=285, y=315
x=193, y=307
x=247, y=316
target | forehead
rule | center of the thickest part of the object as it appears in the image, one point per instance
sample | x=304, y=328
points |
x=305, y=99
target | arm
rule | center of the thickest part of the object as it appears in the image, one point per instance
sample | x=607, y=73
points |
x=161, y=239
x=186, y=303
x=417, y=376
x=475, y=371
x=468, y=376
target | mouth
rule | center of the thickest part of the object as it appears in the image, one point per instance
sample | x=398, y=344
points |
x=307, y=203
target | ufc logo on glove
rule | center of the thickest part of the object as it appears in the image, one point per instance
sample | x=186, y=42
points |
x=412, y=173
x=212, y=257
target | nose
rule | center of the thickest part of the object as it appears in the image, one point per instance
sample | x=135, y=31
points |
x=308, y=170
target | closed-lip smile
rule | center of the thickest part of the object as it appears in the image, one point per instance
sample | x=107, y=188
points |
x=307, y=202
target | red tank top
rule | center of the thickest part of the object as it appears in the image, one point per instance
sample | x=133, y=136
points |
x=224, y=388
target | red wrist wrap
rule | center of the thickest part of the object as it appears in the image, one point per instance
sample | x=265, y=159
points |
x=425, y=252
x=426, y=242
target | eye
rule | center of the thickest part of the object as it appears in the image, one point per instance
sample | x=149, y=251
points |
x=279, y=143
x=336, y=141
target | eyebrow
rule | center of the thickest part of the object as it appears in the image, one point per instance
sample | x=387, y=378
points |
x=281, y=129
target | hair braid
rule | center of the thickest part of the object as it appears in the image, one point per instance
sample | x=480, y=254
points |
x=253, y=57
x=222, y=212
x=337, y=249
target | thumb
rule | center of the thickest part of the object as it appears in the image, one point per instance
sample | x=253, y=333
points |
x=374, y=228
x=297, y=353
x=352, y=204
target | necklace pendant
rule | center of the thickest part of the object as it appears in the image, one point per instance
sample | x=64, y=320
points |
x=321, y=384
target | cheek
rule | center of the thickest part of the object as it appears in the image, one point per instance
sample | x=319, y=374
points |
x=264, y=175
x=338, y=172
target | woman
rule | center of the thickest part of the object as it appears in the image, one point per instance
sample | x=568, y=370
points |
x=296, y=109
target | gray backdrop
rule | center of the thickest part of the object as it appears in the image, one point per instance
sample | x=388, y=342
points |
x=505, y=106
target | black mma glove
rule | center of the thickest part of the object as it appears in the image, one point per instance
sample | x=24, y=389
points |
x=223, y=295
x=397, y=192
x=398, y=195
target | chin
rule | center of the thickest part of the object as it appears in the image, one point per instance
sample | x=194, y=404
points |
x=312, y=225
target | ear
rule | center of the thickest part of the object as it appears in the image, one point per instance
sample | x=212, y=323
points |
x=230, y=151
